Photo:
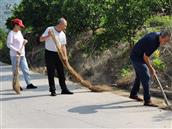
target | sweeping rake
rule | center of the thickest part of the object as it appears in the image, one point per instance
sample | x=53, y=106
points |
x=74, y=74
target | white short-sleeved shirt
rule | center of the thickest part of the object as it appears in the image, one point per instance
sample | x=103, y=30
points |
x=49, y=44
x=14, y=42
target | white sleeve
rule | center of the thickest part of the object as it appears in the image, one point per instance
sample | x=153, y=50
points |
x=10, y=41
x=63, y=41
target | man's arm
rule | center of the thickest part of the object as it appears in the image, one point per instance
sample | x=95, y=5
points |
x=64, y=50
x=148, y=63
x=45, y=37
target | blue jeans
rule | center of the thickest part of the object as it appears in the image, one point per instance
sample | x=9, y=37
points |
x=143, y=77
x=24, y=67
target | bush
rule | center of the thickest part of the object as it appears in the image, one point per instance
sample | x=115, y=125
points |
x=159, y=21
x=4, y=51
x=159, y=64
x=125, y=71
x=154, y=24
x=2, y=38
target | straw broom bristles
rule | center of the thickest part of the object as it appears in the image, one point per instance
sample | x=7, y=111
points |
x=16, y=84
x=75, y=75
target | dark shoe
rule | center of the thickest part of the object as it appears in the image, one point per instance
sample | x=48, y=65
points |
x=53, y=94
x=31, y=86
x=136, y=98
x=21, y=89
x=149, y=103
x=66, y=92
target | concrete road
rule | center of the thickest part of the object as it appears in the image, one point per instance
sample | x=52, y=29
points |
x=84, y=109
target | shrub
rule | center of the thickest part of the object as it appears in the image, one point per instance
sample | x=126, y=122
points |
x=4, y=51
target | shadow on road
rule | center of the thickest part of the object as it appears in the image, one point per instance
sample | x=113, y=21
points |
x=94, y=108
x=22, y=97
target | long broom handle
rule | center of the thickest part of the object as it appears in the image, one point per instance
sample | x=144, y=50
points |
x=18, y=56
x=17, y=61
x=59, y=51
x=162, y=91
x=16, y=72
x=72, y=71
x=66, y=64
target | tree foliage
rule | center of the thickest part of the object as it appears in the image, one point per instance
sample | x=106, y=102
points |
x=126, y=17
x=37, y=14
x=118, y=20
x=4, y=51
x=85, y=14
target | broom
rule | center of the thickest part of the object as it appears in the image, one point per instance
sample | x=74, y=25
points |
x=16, y=84
x=163, y=93
x=74, y=74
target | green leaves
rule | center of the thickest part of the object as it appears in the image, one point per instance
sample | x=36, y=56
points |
x=4, y=51
x=159, y=64
x=84, y=15
x=2, y=38
x=38, y=14
x=120, y=20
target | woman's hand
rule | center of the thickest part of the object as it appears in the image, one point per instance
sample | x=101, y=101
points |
x=18, y=53
x=25, y=41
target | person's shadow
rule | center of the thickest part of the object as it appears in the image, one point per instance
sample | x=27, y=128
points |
x=94, y=108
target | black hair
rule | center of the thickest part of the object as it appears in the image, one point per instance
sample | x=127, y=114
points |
x=165, y=33
x=13, y=24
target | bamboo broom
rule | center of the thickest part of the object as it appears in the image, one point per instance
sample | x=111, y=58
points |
x=74, y=74
x=169, y=106
x=15, y=83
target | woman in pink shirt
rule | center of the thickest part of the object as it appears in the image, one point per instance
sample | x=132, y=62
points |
x=16, y=44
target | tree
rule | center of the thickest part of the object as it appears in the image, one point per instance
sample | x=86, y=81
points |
x=118, y=20
x=85, y=15
x=38, y=14
x=4, y=51
x=126, y=17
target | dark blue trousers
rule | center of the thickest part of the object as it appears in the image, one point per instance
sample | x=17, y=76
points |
x=143, y=77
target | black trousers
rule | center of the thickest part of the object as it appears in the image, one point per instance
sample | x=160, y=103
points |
x=53, y=63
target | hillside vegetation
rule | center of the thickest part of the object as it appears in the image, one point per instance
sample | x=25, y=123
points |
x=100, y=35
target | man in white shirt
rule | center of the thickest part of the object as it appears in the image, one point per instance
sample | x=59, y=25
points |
x=52, y=59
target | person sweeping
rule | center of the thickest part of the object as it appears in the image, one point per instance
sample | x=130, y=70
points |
x=16, y=44
x=52, y=58
x=140, y=54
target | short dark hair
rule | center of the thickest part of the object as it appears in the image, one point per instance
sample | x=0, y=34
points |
x=13, y=24
x=165, y=33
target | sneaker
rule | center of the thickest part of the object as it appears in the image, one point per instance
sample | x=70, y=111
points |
x=149, y=103
x=53, y=94
x=31, y=86
x=21, y=89
x=136, y=98
x=66, y=92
